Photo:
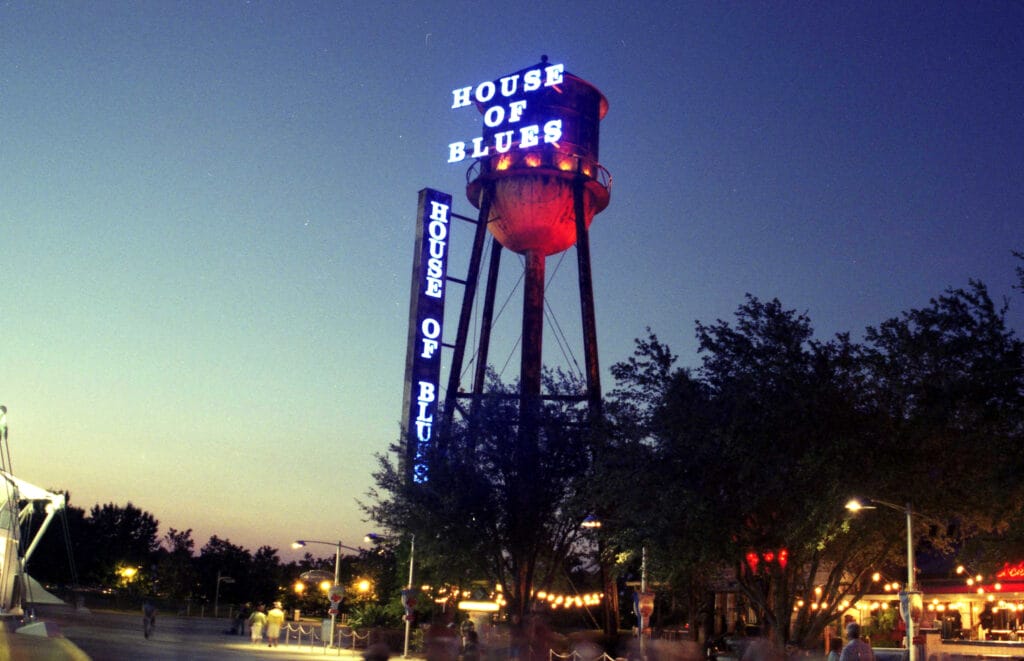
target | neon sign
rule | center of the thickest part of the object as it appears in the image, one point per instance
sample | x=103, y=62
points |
x=1014, y=572
x=426, y=319
x=506, y=102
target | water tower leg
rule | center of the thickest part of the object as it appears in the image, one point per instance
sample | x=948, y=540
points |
x=485, y=322
x=533, y=334
x=469, y=293
x=589, y=321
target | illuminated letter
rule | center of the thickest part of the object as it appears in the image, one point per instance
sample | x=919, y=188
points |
x=461, y=97
x=423, y=430
x=434, y=268
x=431, y=329
x=426, y=392
x=503, y=141
x=485, y=92
x=479, y=151
x=495, y=115
x=515, y=111
x=438, y=230
x=456, y=152
x=531, y=80
x=509, y=84
x=528, y=136
x=554, y=74
x=434, y=289
x=438, y=211
x=553, y=131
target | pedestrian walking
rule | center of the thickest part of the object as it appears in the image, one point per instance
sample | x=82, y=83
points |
x=257, y=621
x=275, y=620
x=148, y=619
x=243, y=616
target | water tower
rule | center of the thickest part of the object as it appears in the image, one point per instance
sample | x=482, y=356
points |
x=538, y=186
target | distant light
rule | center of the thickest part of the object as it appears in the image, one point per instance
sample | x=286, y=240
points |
x=482, y=606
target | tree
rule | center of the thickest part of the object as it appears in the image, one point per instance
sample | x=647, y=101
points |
x=176, y=575
x=948, y=379
x=497, y=505
x=751, y=448
x=114, y=538
x=761, y=445
x=220, y=558
x=263, y=584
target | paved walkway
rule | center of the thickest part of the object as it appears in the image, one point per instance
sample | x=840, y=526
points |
x=102, y=635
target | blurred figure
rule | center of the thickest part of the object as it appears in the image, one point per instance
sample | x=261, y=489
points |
x=377, y=652
x=835, y=646
x=243, y=616
x=673, y=650
x=257, y=620
x=856, y=649
x=148, y=619
x=441, y=640
x=762, y=649
x=470, y=646
x=275, y=620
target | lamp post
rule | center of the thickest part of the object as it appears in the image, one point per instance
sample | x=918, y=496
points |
x=216, y=592
x=373, y=537
x=609, y=607
x=857, y=505
x=298, y=544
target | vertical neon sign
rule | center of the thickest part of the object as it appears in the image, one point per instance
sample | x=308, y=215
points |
x=426, y=323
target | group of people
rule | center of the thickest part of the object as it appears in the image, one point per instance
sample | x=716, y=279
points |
x=262, y=623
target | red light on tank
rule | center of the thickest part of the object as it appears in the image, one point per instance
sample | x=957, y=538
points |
x=532, y=160
x=566, y=164
x=504, y=162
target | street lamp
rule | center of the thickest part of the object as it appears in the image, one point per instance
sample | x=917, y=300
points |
x=868, y=503
x=374, y=537
x=300, y=543
x=610, y=602
x=216, y=595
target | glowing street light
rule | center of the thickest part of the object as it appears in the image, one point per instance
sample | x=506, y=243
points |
x=855, y=506
x=300, y=543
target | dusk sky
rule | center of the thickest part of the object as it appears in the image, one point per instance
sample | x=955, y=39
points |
x=207, y=212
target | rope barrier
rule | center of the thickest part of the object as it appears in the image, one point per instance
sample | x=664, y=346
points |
x=576, y=656
x=312, y=632
x=313, y=636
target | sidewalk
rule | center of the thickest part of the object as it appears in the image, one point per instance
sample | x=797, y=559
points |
x=82, y=635
x=26, y=647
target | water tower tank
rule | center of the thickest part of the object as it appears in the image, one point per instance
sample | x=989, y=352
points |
x=532, y=207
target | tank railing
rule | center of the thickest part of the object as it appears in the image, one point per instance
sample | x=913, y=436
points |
x=519, y=161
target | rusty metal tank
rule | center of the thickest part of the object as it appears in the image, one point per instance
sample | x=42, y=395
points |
x=532, y=207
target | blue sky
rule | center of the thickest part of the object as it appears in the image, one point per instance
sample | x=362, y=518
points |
x=207, y=212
